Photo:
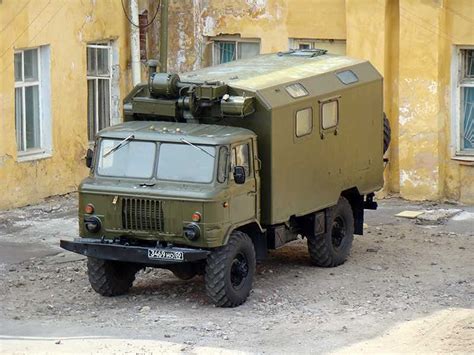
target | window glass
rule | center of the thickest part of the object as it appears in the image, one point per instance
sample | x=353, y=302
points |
x=31, y=65
x=225, y=52
x=32, y=117
x=103, y=61
x=222, y=167
x=304, y=122
x=104, y=103
x=329, y=113
x=248, y=49
x=133, y=159
x=91, y=61
x=467, y=116
x=347, y=77
x=296, y=90
x=19, y=118
x=18, y=67
x=469, y=63
x=241, y=157
x=183, y=162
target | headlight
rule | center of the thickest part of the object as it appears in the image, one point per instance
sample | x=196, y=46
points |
x=93, y=224
x=192, y=231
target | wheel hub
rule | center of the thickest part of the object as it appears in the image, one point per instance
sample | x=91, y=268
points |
x=338, y=231
x=239, y=270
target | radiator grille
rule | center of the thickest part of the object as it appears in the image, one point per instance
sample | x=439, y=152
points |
x=142, y=214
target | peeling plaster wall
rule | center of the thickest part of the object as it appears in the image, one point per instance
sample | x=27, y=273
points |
x=193, y=22
x=67, y=26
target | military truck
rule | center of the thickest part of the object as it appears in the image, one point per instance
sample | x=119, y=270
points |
x=213, y=168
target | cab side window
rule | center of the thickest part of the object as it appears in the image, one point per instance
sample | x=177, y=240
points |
x=241, y=157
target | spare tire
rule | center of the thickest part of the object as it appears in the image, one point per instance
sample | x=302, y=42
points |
x=387, y=133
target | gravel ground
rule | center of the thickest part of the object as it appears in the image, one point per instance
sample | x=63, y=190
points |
x=406, y=280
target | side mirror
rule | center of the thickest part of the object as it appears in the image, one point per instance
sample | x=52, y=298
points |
x=89, y=155
x=239, y=175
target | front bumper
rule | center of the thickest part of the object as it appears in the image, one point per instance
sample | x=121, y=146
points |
x=134, y=254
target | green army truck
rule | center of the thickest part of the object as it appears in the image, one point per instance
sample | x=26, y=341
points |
x=213, y=168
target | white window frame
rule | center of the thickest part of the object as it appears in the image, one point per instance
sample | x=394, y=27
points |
x=458, y=82
x=236, y=41
x=45, y=145
x=105, y=45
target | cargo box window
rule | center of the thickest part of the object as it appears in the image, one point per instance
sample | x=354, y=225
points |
x=329, y=114
x=296, y=90
x=304, y=122
x=347, y=77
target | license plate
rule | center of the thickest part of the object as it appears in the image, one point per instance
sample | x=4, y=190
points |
x=160, y=254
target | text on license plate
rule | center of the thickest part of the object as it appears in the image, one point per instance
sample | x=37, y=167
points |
x=161, y=254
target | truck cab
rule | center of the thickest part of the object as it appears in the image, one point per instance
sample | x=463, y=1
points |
x=170, y=183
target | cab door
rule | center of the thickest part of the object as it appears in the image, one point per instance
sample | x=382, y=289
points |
x=243, y=201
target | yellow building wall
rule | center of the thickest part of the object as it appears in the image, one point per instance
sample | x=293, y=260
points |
x=411, y=43
x=66, y=26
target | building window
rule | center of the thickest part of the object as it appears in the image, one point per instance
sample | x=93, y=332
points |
x=99, y=87
x=333, y=46
x=32, y=103
x=229, y=49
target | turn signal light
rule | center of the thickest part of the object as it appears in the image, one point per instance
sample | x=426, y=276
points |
x=89, y=209
x=196, y=217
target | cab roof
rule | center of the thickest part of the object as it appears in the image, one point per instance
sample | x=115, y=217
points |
x=175, y=131
x=269, y=70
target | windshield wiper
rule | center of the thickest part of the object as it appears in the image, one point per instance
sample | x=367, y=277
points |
x=197, y=147
x=119, y=145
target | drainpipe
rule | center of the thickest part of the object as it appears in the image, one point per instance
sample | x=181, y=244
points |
x=135, y=43
x=164, y=36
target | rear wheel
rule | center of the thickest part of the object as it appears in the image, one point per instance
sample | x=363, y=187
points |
x=333, y=247
x=111, y=278
x=230, y=270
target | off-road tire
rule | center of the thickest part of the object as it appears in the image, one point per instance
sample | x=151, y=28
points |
x=387, y=133
x=110, y=278
x=323, y=251
x=184, y=271
x=222, y=265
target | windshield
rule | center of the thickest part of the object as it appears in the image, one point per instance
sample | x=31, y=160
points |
x=134, y=159
x=184, y=162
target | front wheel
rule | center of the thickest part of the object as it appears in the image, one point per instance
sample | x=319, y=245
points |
x=230, y=270
x=333, y=247
x=110, y=278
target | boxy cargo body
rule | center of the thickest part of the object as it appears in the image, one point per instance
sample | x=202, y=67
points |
x=304, y=174
x=214, y=167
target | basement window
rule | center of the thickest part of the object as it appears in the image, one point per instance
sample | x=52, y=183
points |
x=463, y=99
x=228, y=49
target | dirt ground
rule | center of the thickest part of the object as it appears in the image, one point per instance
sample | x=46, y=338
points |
x=407, y=287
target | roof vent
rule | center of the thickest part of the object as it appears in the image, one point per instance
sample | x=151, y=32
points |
x=304, y=52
